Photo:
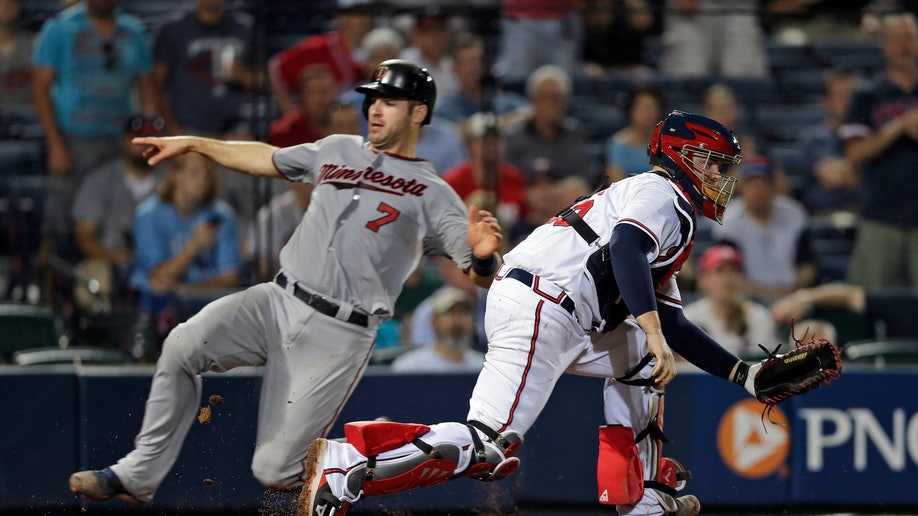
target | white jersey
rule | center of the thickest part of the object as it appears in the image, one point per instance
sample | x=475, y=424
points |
x=647, y=201
x=375, y=213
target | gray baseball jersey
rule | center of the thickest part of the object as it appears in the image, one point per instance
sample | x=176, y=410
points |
x=374, y=215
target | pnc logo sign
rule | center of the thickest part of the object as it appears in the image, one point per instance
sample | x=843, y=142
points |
x=746, y=446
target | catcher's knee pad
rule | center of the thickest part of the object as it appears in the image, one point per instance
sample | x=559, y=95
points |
x=425, y=466
x=619, y=472
x=495, y=458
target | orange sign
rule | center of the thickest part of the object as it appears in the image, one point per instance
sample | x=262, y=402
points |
x=749, y=448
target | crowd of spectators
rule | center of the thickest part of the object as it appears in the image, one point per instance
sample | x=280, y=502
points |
x=548, y=101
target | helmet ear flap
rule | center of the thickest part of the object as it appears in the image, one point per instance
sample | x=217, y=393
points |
x=654, y=147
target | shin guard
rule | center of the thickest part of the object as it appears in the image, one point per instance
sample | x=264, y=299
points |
x=619, y=472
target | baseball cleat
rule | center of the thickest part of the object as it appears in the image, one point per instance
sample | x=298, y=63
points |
x=316, y=498
x=100, y=485
x=687, y=505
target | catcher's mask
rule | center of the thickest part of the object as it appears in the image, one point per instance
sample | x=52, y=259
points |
x=697, y=152
x=402, y=80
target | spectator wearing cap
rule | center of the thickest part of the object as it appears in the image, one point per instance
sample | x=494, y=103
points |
x=453, y=322
x=485, y=179
x=103, y=213
x=337, y=49
x=723, y=311
x=771, y=232
x=429, y=42
x=203, y=66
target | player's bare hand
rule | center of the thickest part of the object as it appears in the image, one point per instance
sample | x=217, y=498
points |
x=484, y=234
x=665, y=370
x=161, y=149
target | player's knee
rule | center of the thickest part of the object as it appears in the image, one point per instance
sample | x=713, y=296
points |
x=181, y=350
x=277, y=474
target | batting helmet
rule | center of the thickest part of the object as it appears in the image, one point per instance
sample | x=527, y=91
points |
x=687, y=146
x=402, y=80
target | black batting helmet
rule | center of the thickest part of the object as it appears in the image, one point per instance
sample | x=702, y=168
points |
x=403, y=80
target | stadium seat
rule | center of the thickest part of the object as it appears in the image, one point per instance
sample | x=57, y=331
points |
x=882, y=351
x=832, y=239
x=780, y=122
x=21, y=158
x=26, y=327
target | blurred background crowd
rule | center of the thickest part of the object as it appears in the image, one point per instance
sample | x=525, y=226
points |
x=539, y=102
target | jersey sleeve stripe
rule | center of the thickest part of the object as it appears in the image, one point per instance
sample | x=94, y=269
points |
x=643, y=228
x=669, y=300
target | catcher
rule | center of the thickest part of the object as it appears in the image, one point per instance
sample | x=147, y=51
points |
x=603, y=302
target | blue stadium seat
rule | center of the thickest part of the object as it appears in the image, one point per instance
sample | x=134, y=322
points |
x=780, y=122
x=598, y=119
x=790, y=159
x=832, y=238
x=20, y=122
x=783, y=57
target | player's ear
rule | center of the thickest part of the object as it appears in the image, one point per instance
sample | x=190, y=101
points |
x=419, y=113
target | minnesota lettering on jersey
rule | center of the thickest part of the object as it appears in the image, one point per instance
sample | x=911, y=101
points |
x=344, y=178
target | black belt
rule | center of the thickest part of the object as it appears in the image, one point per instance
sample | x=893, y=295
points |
x=321, y=304
x=527, y=278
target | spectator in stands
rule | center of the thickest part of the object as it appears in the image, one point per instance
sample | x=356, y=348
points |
x=429, y=42
x=337, y=49
x=476, y=88
x=453, y=325
x=535, y=33
x=881, y=138
x=723, y=311
x=547, y=141
x=770, y=230
x=614, y=34
x=380, y=44
x=541, y=204
x=702, y=38
x=203, y=66
x=834, y=183
x=719, y=102
x=103, y=213
x=185, y=240
x=894, y=307
x=441, y=144
x=87, y=60
x=273, y=226
x=311, y=121
x=15, y=56
x=802, y=22
x=626, y=150
x=485, y=179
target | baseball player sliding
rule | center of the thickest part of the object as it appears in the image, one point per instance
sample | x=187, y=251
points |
x=376, y=209
x=561, y=303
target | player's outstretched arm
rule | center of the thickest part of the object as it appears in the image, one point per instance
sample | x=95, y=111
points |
x=254, y=158
x=484, y=236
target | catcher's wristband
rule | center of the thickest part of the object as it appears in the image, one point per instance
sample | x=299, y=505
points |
x=745, y=378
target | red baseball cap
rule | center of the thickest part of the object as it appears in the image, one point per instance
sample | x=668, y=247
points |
x=718, y=255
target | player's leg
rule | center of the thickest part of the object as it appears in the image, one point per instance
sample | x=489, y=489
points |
x=531, y=342
x=227, y=333
x=633, y=409
x=311, y=372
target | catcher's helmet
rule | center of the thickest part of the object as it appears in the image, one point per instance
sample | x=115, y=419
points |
x=403, y=80
x=686, y=145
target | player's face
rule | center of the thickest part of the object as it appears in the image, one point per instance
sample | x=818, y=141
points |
x=389, y=123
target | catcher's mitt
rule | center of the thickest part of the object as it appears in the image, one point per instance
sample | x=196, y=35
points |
x=807, y=366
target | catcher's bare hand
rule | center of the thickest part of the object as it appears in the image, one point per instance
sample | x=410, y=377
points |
x=665, y=370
